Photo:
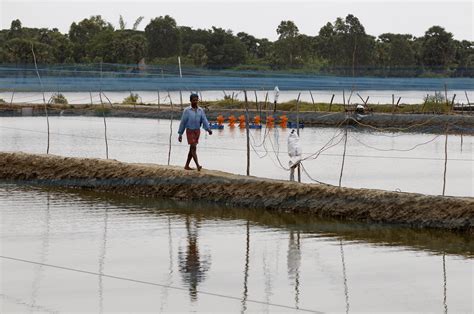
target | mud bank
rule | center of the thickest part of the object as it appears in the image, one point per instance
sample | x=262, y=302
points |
x=422, y=123
x=417, y=210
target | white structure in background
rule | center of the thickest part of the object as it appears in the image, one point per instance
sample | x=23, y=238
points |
x=295, y=152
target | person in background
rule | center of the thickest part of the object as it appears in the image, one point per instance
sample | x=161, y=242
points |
x=192, y=119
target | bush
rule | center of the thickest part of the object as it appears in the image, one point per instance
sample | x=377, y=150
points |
x=132, y=99
x=59, y=99
x=2, y=101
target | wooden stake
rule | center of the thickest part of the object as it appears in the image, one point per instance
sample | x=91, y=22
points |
x=181, y=100
x=105, y=127
x=42, y=91
x=330, y=103
x=445, y=159
x=312, y=99
x=90, y=94
x=446, y=95
x=247, y=131
x=13, y=94
x=298, y=130
x=256, y=100
x=171, y=128
x=343, y=156
x=159, y=104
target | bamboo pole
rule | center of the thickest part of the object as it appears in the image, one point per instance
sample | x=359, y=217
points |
x=90, y=94
x=247, y=131
x=171, y=128
x=312, y=100
x=181, y=100
x=452, y=102
x=445, y=160
x=159, y=101
x=103, y=115
x=343, y=99
x=105, y=127
x=13, y=94
x=256, y=100
x=42, y=92
x=343, y=156
x=266, y=104
x=298, y=130
x=398, y=101
x=446, y=96
x=330, y=103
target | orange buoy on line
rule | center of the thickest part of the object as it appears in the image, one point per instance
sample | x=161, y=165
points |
x=231, y=121
x=242, y=122
x=270, y=122
x=283, y=121
x=220, y=119
x=256, y=120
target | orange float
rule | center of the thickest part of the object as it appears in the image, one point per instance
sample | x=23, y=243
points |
x=256, y=120
x=242, y=122
x=283, y=121
x=220, y=119
x=270, y=122
x=231, y=121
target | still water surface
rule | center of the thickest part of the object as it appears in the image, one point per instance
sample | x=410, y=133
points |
x=407, y=162
x=176, y=256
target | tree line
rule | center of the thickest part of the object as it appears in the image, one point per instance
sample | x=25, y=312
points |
x=341, y=47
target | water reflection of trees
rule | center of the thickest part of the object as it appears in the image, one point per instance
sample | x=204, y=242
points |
x=193, y=265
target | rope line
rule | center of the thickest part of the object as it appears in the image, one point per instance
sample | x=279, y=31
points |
x=241, y=150
x=154, y=284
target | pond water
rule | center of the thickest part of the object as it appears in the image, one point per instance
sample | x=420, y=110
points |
x=407, y=162
x=319, y=96
x=79, y=251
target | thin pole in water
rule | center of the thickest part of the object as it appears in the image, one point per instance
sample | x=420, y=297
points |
x=312, y=100
x=13, y=94
x=103, y=115
x=298, y=131
x=171, y=128
x=159, y=105
x=42, y=91
x=445, y=159
x=248, y=132
x=330, y=103
x=343, y=156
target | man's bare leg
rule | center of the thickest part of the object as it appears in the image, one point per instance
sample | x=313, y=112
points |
x=190, y=156
x=193, y=151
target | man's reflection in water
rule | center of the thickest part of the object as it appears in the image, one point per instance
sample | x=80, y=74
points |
x=192, y=264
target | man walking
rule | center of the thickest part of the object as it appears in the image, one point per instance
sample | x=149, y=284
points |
x=192, y=119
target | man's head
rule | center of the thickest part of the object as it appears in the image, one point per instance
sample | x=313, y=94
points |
x=194, y=98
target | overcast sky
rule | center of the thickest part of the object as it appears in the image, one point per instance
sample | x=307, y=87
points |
x=258, y=17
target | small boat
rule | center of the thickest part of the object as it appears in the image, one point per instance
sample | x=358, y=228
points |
x=255, y=126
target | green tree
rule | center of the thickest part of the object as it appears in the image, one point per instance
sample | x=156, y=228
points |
x=396, y=52
x=164, y=38
x=83, y=32
x=287, y=49
x=197, y=53
x=224, y=49
x=438, y=48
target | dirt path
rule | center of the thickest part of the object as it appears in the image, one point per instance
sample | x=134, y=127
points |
x=158, y=181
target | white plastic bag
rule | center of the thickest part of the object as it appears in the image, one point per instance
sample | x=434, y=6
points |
x=294, y=148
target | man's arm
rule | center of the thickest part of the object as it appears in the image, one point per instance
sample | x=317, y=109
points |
x=182, y=124
x=205, y=123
